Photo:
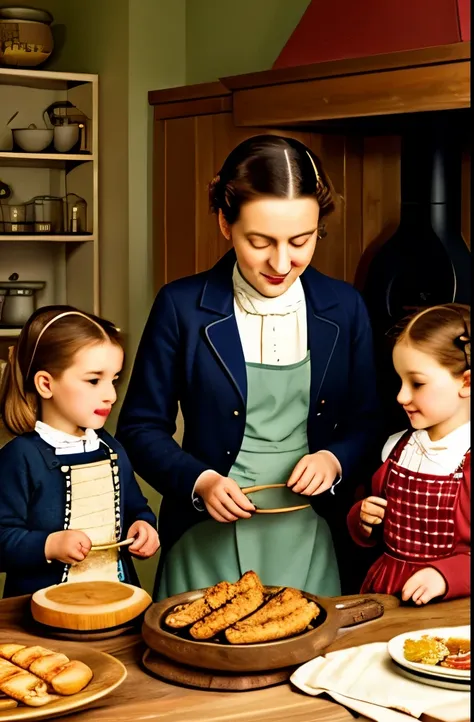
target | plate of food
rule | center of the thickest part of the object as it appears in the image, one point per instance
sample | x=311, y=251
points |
x=441, y=653
x=248, y=627
x=40, y=683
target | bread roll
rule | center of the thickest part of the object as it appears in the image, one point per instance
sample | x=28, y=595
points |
x=23, y=686
x=62, y=675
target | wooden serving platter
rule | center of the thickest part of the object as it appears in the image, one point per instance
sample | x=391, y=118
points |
x=208, y=679
x=336, y=612
x=88, y=606
x=108, y=672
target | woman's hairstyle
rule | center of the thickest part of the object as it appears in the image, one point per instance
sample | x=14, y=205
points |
x=443, y=332
x=269, y=165
x=48, y=342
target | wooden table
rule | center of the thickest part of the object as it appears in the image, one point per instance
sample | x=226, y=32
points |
x=142, y=697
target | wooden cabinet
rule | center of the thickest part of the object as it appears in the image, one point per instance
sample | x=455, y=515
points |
x=351, y=113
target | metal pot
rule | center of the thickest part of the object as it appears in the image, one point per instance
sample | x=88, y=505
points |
x=18, y=301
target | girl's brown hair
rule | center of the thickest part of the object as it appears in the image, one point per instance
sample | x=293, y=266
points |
x=49, y=349
x=444, y=332
x=270, y=165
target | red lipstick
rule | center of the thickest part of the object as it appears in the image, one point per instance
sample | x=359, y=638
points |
x=275, y=280
x=102, y=412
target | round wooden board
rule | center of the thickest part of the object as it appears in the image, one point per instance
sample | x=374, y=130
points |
x=205, y=679
x=108, y=672
x=88, y=606
x=43, y=630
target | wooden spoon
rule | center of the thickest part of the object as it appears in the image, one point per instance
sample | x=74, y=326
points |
x=115, y=545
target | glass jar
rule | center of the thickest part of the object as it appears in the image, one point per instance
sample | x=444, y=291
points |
x=75, y=213
x=45, y=215
x=13, y=218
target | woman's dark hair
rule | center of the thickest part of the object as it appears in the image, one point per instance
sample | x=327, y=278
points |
x=270, y=165
x=48, y=342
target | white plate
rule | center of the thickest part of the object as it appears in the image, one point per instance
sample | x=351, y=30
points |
x=460, y=685
x=395, y=650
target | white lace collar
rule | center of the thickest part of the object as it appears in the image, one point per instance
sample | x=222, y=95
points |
x=253, y=302
x=67, y=443
x=457, y=441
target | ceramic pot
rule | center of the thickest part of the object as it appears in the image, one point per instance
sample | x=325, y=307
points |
x=24, y=43
x=65, y=137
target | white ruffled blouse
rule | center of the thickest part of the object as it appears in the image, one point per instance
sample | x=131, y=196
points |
x=272, y=330
x=67, y=443
x=440, y=457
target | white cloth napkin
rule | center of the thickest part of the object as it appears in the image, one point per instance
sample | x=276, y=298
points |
x=366, y=680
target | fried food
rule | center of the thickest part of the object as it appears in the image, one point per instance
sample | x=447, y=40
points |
x=240, y=606
x=214, y=598
x=63, y=675
x=427, y=650
x=457, y=645
x=281, y=604
x=276, y=628
x=23, y=686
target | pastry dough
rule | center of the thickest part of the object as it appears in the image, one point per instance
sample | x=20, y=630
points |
x=63, y=675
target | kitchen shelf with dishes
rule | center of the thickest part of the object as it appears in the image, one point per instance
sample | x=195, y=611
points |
x=48, y=193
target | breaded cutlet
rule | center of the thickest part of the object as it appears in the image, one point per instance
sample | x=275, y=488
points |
x=293, y=623
x=214, y=598
x=238, y=607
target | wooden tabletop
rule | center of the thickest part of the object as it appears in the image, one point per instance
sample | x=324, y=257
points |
x=143, y=697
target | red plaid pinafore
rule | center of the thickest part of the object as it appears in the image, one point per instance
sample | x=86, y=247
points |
x=419, y=522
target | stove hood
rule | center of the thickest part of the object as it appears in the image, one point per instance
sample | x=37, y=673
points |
x=344, y=29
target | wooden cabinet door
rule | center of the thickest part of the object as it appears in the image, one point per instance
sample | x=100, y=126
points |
x=189, y=152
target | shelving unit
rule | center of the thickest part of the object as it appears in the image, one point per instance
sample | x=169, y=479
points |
x=68, y=262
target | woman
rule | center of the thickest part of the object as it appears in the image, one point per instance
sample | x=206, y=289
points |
x=271, y=362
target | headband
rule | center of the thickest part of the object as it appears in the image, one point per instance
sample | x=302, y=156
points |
x=50, y=323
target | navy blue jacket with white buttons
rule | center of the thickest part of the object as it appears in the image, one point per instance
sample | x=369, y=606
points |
x=191, y=353
x=33, y=503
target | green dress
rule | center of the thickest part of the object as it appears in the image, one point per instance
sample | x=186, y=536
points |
x=286, y=549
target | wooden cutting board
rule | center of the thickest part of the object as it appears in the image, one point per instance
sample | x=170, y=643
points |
x=88, y=606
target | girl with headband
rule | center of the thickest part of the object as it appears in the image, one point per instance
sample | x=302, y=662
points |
x=421, y=493
x=68, y=493
x=271, y=363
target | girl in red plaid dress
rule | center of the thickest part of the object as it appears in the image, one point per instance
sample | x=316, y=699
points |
x=421, y=493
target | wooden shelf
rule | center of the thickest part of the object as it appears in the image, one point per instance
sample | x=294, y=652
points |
x=52, y=158
x=43, y=79
x=58, y=238
x=9, y=332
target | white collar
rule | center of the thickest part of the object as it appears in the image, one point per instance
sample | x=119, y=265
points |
x=457, y=441
x=253, y=302
x=67, y=443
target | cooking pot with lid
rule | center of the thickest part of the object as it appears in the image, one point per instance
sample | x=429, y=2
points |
x=19, y=301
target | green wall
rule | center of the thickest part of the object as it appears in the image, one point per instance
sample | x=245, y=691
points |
x=230, y=37
x=136, y=46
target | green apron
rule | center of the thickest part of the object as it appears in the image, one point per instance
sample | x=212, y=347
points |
x=286, y=549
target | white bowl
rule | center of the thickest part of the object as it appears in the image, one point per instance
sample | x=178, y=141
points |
x=66, y=137
x=33, y=140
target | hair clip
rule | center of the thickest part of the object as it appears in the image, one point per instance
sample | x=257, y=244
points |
x=319, y=183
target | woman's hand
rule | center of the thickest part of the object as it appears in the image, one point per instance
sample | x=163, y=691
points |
x=314, y=473
x=372, y=512
x=146, y=539
x=424, y=585
x=223, y=497
x=70, y=546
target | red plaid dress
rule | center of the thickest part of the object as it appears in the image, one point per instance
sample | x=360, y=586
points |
x=426, y=524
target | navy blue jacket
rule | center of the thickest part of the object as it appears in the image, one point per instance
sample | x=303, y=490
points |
x=191, y=352
x=32, y=506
